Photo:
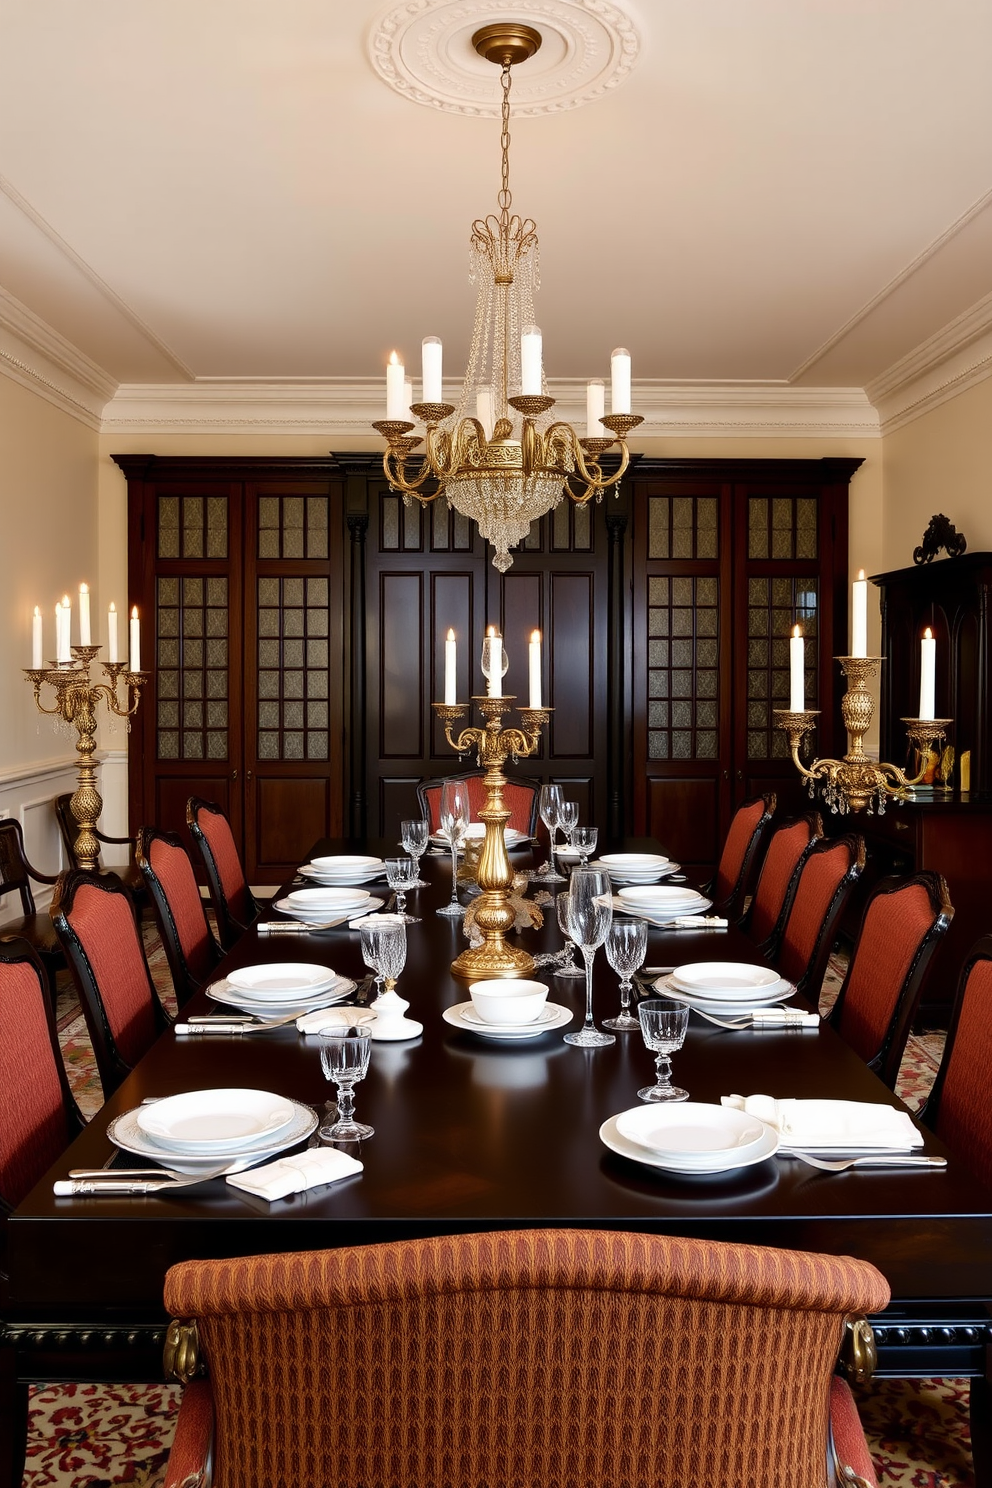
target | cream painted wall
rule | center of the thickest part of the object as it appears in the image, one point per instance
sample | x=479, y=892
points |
x=941, y=462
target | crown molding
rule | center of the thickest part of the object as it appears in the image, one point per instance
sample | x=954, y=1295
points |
x=42, y=360
x=948, y=363
x=338, y=407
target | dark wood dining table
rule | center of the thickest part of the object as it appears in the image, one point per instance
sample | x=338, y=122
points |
x=472, y=1134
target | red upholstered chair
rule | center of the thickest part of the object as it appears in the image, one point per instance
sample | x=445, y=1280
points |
x=520, y=795
x=826, y=882
x=16, y=874
x=730, y=885
x=234, y=905
x=903, y=924
x=537, y=1357
x=192, y=951
x=959, y=1108
x=95, y=920
x=38, y=1120
x=788, y=845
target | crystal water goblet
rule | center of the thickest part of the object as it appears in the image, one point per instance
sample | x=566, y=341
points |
x=663, y=1025
x=345, y=1060
x=415, y=835
x=455, y=815
x=568, y=816
x=548, y=803
x=590, y=915
x=401, y=874
x=568, y=967
x=626, y=948
x=584, y=841
x=371, y=934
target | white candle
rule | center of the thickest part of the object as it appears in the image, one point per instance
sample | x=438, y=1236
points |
x=859, y=616
x=494, y=681
x=534, y=658
x=620, y=381
x=595, y=408
x=112, y=632
x=84, y=614
x=65, y=652
x=450, y=670
x=484, y=409
x=135, y=641
x=58, y=631
x=797, y=672
x=395, y=389
x=928, y=668
x=37, y=648
x=531, y=378
x=431, y=353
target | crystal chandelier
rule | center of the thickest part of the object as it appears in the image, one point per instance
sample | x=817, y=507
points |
x=498, y=457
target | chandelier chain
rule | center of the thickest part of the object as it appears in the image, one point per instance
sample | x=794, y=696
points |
x=505, y=199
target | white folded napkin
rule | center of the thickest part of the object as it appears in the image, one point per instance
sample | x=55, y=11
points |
x=334, y=1019
x=288, y=1175
x=813, y=1124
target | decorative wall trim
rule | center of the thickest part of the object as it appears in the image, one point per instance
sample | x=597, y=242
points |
x=41, y=360
x=337, y=407
x=27, y=774
x=940, y=368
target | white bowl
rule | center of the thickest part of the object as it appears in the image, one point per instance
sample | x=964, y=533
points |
x=508, y=1001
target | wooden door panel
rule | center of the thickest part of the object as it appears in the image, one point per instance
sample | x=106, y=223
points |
x=402, y=683
x=452, y=607
x=683, y=814
x=573, y=671
x=288, y=818
x=168, y=812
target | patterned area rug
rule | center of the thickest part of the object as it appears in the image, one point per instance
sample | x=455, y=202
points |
x=96, y=1436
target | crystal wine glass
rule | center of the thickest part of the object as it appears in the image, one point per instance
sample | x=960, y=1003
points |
x=568, y=968
x=401, y=875
x=371, y=933
x=415, y=835
x=345, y=1060
x=455, y=814
x=626, y=948
x=547, y=804
x=663, y=1025
x=568, y=816
x=590, y=915
x=584, y=841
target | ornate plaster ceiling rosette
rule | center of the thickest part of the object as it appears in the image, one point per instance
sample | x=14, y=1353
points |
x=423, y=50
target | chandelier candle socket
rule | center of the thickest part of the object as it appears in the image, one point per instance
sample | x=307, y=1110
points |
x=497, y=457
x=797, y=671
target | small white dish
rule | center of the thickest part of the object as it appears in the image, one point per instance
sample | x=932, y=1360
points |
x=720, y=1163
x=472, y=1015
x=214, y=1121
x=125, y=1133
x=725, y=979
x=693, y=1130
x=506, y=1000
x=280, y=979
x=554, y=1017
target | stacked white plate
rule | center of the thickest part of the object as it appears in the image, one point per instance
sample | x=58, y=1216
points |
x=726, y=987
x=660, y=903
x=636, y=868
x=689, y=1137
x=464, y=1017
x=280, y=988
x=344, y=868
x=327, y=904
x=209, y=1128
x=477, y=830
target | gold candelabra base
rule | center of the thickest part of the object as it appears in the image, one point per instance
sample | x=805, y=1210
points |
x=857, y=782
x=494, y=914
x=76, y=699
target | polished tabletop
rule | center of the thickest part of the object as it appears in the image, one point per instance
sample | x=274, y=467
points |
x=471, y=1134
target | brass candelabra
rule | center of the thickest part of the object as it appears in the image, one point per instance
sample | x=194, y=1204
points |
x=857, y=782
x=494, y=915
x=76, y=699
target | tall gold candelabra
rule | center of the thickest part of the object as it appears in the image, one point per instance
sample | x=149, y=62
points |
x=494, y=915
x=76, y=699
x=856, y=781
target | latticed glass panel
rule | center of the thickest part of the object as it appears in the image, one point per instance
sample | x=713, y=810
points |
x=683, y=656
x=775, y=605
x=293, y=661
x=192, y=527
x=191, y=644
x=292, y=526
x=571, y=527
x=782, y=527
x=683, y=527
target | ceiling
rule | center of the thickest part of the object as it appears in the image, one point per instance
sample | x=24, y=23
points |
x=794, y=190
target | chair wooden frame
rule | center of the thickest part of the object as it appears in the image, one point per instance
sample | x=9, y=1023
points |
x=524, y=781
x=732, y=903
x=69, y=830
x=184, y=980
x=37, y=933
x=886, y=1059
x=111, y=1064
x=229, y=927
x=809, y=984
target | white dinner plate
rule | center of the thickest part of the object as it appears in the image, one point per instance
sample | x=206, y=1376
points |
x=667, y=897
x=125, y=1133
x=722, y=1163
x=327, y=897
x=634, y=862
x=341, y=880
x=719, y=979
x=661, y=918
x=664, y=988
x=692, y=1131
x=214, y=1121
x=644, y=878
x=281, y=979
x=323, y=916
x=347, y=863
x=477, y=830
x=554, y=1017
x=471, y=1014
x=263, y=1008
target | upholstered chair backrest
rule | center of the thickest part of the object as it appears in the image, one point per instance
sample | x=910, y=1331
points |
x=740, y=854
x=826, y=881
x=519, y=796
x=191, y=949
x=229, y=892
x=787, y=846
x=959, y=1108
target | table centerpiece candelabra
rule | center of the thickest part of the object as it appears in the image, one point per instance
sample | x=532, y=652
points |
x=76, y=700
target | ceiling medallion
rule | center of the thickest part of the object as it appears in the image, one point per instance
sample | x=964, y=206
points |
x=423, y=49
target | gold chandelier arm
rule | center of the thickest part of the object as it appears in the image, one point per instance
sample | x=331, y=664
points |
x=394, y=469
x=468, y=739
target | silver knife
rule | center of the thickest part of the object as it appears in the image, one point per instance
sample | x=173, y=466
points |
x=88, y=1187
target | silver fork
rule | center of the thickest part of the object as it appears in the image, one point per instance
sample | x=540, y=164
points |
x=121, y=1182
x=869, y=1160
